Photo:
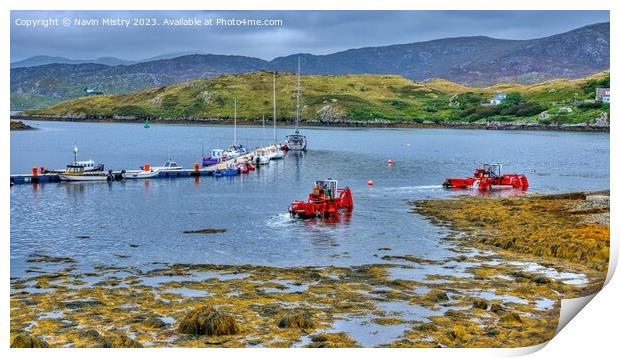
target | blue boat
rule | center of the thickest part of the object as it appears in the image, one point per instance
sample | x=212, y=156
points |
x=217, y=155
x=231, y=172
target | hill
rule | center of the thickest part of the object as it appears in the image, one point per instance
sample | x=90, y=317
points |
x=478, y=60
x=350, y=97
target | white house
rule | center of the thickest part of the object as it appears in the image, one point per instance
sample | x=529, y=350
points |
x=501, y=96
x=602, y=94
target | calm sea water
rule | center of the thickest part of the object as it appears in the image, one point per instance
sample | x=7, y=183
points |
x=97, y=222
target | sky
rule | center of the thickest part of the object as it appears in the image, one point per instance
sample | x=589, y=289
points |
x=315, y=32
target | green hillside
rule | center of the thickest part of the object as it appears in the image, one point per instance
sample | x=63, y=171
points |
x=351, y=97
x=22, y=101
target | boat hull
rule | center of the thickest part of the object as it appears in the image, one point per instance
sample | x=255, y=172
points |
x=66, y=177
x=141, y=174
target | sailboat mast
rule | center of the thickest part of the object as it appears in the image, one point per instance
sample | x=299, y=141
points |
x=275, y=140
x=235, y=124
x=298, y=90
x=262, y=137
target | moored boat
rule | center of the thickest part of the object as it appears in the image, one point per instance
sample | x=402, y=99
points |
x=169, y=165
x=296, y=141
x=489, y=177
x=145, y=173
x=77, y=173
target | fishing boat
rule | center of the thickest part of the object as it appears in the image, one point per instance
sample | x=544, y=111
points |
x=296, y=141
x=88, y=165
x=489, y=177
x=169, y=165
x=145, y=173
x=325, y=200
x=77, y=173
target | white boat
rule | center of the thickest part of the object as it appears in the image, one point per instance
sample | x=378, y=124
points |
x=276, y=154
x=296, y=141
x=77, y=173
x=141, y=174
x=262, y=157
x=169, y=165
x=88, y=165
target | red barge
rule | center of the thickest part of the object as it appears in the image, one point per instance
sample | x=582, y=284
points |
x=325, y=200
x=489, y=177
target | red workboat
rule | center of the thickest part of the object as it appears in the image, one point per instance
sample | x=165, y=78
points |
x=325, y=201
x=489, y=177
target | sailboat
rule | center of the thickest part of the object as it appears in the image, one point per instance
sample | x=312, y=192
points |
x=296, y=141
x=235, y=150
x=277, y=153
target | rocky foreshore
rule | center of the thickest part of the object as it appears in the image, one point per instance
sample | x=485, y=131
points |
x=514, y=259
x=20, y=126
x=374, y=123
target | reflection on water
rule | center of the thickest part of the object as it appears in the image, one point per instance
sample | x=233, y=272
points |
x=145, y=219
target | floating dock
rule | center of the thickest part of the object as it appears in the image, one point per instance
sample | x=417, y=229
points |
x=180, y=173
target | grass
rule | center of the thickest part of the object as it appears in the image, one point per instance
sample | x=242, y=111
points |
x=352, y=97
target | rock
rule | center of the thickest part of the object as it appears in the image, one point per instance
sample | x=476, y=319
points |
x=541, y=280
x=437, y=296
x=154, y=322
x=497, y=309
x=28, y=341
x=88, y=334
x=301, y=319
x=78, y=305
x=116, y=341
x=269, y=310
x=318, y=338
x=492, y=332
x=204, y=231
x=481, y=303
x=208, y=321
x=510, y=318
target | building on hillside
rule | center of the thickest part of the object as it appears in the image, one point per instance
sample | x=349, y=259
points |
x=91, y=92
x=602, y=94
x=498, y=99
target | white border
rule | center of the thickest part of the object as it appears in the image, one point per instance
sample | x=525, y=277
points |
x=592, y=333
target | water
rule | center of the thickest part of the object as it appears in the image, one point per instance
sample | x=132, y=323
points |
x=140, y=222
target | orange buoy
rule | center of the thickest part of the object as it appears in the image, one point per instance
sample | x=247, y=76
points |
x=196, y=166
x=147, y=167
x=35, y=171
x=371, y=183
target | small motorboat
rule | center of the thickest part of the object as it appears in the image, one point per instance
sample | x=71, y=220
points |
x=489, y=177
x=145, y=173
x=77, y=173
x=169, y=165
x=325, y=200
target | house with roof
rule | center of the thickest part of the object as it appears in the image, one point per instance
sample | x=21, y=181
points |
x=602, y=94
x=498, y=99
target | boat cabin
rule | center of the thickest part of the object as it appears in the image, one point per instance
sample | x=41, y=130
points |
x=329, y=187
x=88, y=165
x=74, y=169
x=217, y=153
x=170, y=164
x=489, y=171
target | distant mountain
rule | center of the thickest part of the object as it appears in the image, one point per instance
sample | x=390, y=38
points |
x=46, y=60
x=475, y=60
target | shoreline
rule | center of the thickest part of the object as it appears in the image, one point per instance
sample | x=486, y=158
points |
x=488, y=294
x=334, y=124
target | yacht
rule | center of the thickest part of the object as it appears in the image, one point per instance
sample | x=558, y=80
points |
x=296, y=141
